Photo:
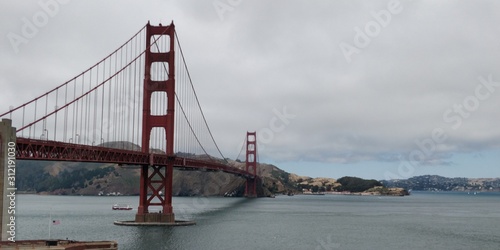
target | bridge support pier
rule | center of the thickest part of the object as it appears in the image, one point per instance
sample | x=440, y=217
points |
x=158, y=184
x=251, y=188
x=7, y=183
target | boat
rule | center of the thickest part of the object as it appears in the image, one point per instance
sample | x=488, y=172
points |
x=121, y=207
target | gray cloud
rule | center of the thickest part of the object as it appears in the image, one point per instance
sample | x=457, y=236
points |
x=269, y=55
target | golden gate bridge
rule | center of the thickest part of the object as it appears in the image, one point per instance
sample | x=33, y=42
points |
x=137, y=106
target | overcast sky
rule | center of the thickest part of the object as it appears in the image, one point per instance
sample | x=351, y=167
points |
x=374, y=89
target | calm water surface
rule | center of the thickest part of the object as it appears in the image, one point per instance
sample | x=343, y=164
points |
x=420, y=221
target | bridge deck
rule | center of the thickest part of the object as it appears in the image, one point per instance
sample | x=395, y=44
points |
x=33, y=149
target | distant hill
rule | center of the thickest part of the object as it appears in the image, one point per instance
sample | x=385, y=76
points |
x=68, y=178
x=440, y=183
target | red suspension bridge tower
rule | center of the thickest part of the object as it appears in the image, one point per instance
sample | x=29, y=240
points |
x=157, y=180
x=251, y=164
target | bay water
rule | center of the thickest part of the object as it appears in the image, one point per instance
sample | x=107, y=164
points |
x=423, y=220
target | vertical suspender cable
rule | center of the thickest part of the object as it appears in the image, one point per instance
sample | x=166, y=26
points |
x=77, y=137
x=87, y=112
x=128, y=92
x=102, y=104
x=22, y=132
x=45, y=120
x=55, y=120
x=196, y=97
x=134, y=93
x=121, y=110
x=108, y=126
x=75, y=110
x=96, y=103
x=34, y=125
x=65, y=130
x=114, y=101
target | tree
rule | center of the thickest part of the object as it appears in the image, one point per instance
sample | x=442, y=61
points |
x=355, y=184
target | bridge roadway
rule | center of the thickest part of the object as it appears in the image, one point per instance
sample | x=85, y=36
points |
x=45, y=150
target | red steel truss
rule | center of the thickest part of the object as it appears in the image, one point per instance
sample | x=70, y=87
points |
x=42, y=150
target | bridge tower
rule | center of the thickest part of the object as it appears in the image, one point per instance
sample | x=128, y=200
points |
x=157, y=180
x=251, y=164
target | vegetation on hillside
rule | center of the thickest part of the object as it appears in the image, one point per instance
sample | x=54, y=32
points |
x=315, y=188
x=91, y=179
x=32, y=176
x=355, y=184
